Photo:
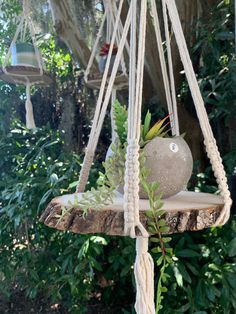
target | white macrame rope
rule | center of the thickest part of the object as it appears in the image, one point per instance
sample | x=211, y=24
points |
x=209, y=141
x=113, y=11
x=144, y=270
x=30, y=124
x=131, y=187
x=113, y=127
x=171, y=71
x=103, y=101
x=121, y=28
x=95, y=47
x=161, y=53
x=144, y=266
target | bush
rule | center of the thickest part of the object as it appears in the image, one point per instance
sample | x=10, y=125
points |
x=40, y=261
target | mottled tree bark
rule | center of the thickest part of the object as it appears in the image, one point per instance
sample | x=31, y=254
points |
x=111, y=220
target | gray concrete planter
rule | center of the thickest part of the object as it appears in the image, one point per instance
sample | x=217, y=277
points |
x=170, y=163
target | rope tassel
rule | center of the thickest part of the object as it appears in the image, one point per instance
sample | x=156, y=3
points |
x=144, y=277
x=30, y=124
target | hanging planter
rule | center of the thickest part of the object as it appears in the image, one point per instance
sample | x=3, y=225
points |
x=168, y=159
x=103, y=58
x=97, y=76
x=128, y=215
x=23, y=63
x=23, y=54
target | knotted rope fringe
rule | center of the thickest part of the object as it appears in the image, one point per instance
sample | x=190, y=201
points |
x=144, y=278
x=30, y=124
x=209, y=140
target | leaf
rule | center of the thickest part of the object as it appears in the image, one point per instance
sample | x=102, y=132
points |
x=232, y=248
x=146, y=125
x=187, y=253
x=159, y=261
x=156, y=250
x=157, y=129
x=150, y=214
x=178, y=276
x=154, y=240
x=164, y=229
x=166, y=239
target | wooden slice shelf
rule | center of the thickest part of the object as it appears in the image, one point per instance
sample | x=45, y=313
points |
x=28, y=73
x=95, y=81
x=186, y=211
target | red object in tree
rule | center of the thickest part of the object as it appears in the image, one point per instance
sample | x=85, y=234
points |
x=105, y=50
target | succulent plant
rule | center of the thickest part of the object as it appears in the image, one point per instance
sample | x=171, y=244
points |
x=148, y=132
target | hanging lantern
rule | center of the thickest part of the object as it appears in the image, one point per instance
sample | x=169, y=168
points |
x=26, y=65
x=126, y=215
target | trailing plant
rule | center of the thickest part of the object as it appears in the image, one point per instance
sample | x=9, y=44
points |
x=157, y=227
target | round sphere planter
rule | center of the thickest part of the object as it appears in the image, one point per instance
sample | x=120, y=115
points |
x=169, y=162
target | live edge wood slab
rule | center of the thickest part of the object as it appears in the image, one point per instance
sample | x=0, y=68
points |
x=186, y=211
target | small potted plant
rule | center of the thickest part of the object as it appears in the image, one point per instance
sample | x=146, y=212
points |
x=168, y=159
x=23, y=53
x=103, y=57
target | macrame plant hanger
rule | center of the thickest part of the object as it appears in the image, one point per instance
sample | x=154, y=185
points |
x=92, y=76
x=130, y=203
x=25, y=74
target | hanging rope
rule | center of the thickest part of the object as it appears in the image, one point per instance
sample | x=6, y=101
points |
x=103, y=99
x=164, y=71
x=113, y=128
x=131, y=186
x=171, y=71
x=144, y=267
x=209, y=139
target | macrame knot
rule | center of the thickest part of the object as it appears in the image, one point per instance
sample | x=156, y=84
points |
x=131, y=191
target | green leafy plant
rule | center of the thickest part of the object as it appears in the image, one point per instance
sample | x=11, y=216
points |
x=148, y=132
x=157, y=226
x=108, y=183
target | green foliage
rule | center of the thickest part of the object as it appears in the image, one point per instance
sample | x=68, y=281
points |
x=157, y=226
x=62, y=267
x=147, y=132
x=121, y=121
x=204, y=270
